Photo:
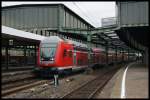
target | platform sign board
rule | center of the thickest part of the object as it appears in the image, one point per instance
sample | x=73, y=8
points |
x=10, y=42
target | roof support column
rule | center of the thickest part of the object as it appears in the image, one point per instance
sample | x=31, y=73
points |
x=138, y=56
x=128, y=55
x=89, y=46
x=142, y=57
x=122, y=55
x=25, y=55
x=35, y=54
x=116, y=53
x=106, y=49
x=145, y=57
x=7, y=58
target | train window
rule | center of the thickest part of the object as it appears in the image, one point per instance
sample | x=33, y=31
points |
x=70, y=53
x=79, y=62
x=65, y=53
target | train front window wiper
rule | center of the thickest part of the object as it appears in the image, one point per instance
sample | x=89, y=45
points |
x=47, y=52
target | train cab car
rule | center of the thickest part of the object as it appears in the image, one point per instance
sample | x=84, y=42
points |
x=57, y=55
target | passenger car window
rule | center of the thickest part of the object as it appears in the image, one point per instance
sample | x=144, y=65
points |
x=70, y=53
x=65, y=53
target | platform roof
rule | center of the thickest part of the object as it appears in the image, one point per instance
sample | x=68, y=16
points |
x=19, y=33
x=44, y=5
x=25, y=38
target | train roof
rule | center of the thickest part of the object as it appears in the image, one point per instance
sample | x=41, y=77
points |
x=52, y=39
x=77, y=43
x=55, y=39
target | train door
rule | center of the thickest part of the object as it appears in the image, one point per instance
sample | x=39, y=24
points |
x=74, y=57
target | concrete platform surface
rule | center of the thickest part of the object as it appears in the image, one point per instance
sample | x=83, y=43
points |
x=135, y=83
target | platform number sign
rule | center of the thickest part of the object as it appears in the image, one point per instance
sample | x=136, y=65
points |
x=10, y=42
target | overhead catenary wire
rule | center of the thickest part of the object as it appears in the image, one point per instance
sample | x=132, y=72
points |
x=92, y=16
x=83, y=12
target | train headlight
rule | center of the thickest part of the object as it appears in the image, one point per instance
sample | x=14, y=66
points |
x=52, y=59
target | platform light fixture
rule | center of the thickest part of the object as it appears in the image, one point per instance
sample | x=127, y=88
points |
x=113, y=34
x=107, y=32
x=116, y=37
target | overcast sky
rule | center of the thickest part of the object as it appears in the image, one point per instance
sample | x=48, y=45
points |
x=92, y=12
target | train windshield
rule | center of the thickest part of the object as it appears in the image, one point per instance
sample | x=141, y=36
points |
x=47, y=52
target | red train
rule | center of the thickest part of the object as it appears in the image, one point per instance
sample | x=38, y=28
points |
x=58, y=55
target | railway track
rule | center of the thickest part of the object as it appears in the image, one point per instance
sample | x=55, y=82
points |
x=16, y=75
x=76, y=93
x=11, y=80
x=89, y=89
x=11, y=69
x=14, y=88
x=18, y=83
x=22, y=87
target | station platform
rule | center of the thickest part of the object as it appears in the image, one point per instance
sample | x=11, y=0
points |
x=131, y=81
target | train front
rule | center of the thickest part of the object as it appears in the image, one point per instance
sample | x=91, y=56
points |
x=47, y=55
